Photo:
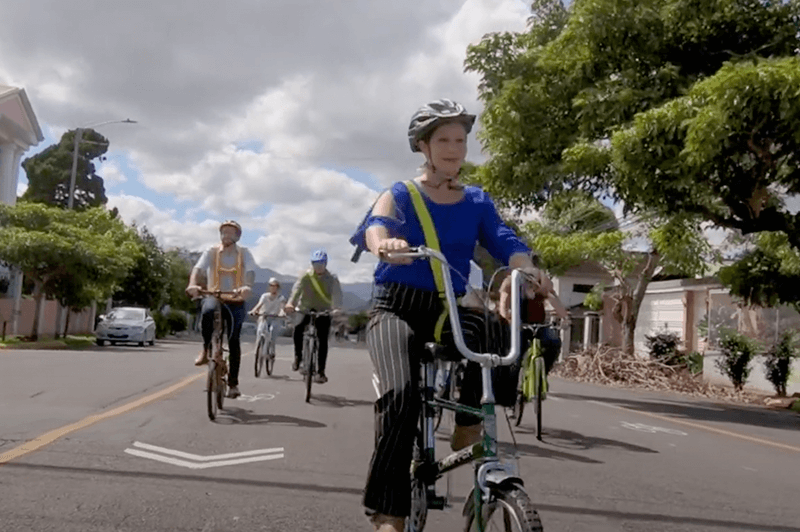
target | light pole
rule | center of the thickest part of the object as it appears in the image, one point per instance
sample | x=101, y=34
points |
x=78, y=135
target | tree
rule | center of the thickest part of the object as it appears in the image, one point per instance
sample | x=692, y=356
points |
x=49, y=172
x=179, y=269
x=575, y=228
x=147, y=281
x=51, y=244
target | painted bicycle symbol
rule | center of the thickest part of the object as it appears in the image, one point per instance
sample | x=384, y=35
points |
x=258, y=397
x=641, y=427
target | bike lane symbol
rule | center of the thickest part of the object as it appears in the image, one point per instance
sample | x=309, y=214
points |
x=641, y=427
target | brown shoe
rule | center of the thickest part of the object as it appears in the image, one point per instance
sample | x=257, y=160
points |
x=388, y=523
x=465, y=435
x=202, y=358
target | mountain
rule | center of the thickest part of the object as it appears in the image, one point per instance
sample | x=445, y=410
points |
x=355, y=296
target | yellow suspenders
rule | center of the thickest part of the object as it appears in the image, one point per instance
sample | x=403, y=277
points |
x=431, y=241
x=318, y=288
x=237, y=270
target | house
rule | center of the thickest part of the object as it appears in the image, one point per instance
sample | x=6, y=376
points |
x=19, y=131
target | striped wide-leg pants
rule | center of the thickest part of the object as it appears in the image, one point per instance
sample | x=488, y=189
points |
x=403, y=319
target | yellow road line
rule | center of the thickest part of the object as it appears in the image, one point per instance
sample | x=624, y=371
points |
x=49, y=437
x=700, y=426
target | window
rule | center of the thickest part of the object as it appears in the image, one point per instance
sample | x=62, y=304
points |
x=582, y=288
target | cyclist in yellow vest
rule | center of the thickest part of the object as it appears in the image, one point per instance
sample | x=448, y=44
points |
x=228, y=267
x=319, y=290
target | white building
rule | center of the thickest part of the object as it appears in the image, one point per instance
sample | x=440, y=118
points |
x=19, y=131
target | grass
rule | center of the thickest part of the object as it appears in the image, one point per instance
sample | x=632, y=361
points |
x=70, y=342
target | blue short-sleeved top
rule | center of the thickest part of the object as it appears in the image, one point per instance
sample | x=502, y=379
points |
x=459, y=226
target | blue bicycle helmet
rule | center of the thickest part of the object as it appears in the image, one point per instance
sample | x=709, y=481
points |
x=319, y=256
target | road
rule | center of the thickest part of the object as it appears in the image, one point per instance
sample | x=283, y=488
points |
x=117, y=439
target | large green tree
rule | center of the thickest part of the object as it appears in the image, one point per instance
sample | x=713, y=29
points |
x=49, y=172
x=679, y=108
x=574, y=227
x=148, y=280
x=91, y=248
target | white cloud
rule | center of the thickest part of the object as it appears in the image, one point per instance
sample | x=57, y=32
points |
x=322, y=87
x=22, y=186
x=111, y=173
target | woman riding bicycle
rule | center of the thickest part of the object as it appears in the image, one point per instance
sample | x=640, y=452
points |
x=407, y=306
x=269, y=310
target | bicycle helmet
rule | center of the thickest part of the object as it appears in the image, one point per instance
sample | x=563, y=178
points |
x=235, y=225
x=319, y=256
x=431, y=115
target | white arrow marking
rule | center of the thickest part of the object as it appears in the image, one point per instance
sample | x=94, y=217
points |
x=204, y=462
x=258, y=397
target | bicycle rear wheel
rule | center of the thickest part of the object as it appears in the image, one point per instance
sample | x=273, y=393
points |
x=510, y=510
x=519, y=408
x=211, y=390
x=222, y=386
x=259, y=356
x=539, y=390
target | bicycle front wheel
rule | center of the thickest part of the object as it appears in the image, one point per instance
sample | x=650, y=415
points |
x=539, y=389
x=419, y=493
x=510, y=510
x=309, y=354
x=269, y=362
x=259, y=356
x=211, y=390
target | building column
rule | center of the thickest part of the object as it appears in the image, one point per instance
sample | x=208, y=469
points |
x=7, y=176
x=15, y=289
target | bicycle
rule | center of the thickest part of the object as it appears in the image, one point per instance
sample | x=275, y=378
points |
x=532, y=380
x=448, y=382
x=498, y=499
x=311, y=350
x=217, y=376
x=265, y=346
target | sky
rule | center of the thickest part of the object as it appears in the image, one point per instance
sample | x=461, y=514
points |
x=288, y=116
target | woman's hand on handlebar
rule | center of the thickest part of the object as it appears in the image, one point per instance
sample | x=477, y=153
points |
x=387, y=246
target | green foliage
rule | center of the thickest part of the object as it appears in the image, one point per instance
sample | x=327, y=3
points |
x=356, y=322
x=768, y=275
x=694, y=361
x=162, y=325
x=737, y=351
x=664, y=346
x=146, y=284
x=778, y=361
x=594, y=299
x=179, y=269
x=49, y=172
x=69, y=255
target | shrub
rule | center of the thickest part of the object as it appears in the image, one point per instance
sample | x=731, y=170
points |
x=778, y=362
x=176, y=320
x=663, y=347
x=737, y=351
x=694, y=361
x=162, y=327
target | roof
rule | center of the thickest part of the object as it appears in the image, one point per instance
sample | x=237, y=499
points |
x=17, y=115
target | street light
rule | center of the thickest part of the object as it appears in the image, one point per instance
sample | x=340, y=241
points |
x=78, y=135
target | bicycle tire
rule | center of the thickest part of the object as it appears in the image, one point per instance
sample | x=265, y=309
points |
x=259, y=357
x=222, y=387
x=211, y=388
x=269, y=360
x=517, y=513
x=519, y=408
x=308, y=361
x=419, y=494
x=539, y=389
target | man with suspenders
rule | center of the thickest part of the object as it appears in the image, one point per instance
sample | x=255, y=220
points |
x=318, y=290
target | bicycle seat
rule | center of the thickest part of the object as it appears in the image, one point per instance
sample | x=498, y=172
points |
x=434, y=351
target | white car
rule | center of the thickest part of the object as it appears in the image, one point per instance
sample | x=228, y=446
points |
x=126, y=324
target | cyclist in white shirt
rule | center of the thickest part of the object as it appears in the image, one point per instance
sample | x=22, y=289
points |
x=269, y=310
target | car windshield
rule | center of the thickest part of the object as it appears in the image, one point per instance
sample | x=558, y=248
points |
x=127, y=314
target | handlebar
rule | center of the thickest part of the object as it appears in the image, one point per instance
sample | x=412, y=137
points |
x=484, y=359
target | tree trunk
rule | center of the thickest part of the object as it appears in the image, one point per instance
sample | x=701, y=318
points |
x=66, y=322
x=631, y=310
x=38, y=297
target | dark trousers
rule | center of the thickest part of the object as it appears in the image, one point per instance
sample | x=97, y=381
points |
x=323, y=324
x=402, y=320
x=232, y=318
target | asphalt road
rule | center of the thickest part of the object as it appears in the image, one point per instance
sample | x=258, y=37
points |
x=117, y=439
